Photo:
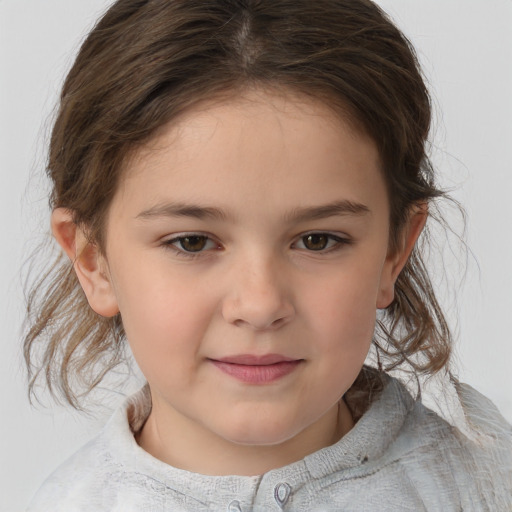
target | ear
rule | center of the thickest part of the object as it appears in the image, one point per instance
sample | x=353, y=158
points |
x=90, y=265
x=396, y=260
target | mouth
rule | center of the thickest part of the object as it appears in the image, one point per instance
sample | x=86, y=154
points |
x=254, y=369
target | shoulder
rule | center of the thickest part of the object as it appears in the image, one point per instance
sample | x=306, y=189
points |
x=73, y=482
x=98, y=475
x=454, y=454
x=471, y=430
x=466, y=457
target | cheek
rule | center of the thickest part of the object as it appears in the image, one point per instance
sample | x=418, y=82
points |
x=342, y=324
x=164, y=320
x=345, y=304
x=344, y=328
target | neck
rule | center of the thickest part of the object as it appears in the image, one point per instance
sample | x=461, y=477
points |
x=184, y=444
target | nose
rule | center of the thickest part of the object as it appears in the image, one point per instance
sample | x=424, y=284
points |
x=259, y=296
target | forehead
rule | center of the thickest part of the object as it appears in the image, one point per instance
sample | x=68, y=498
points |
x=259, y=147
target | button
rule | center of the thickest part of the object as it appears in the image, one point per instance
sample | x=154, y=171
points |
x=282, y=493
x=234, y=506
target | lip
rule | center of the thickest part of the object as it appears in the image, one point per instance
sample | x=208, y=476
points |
x=256, y=369
x=255, y=360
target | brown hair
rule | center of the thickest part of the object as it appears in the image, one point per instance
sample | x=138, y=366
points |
x=146, y=62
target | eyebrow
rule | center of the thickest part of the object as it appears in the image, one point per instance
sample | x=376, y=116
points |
x=336, y=208
x=182, y=210
x=344, y=207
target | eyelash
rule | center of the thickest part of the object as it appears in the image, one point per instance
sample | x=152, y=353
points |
x=339, y=241
x=172, y=244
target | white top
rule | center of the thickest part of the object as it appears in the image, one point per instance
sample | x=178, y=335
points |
x=399, y=456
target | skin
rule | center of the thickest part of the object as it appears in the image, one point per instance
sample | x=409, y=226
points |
x=252, y=177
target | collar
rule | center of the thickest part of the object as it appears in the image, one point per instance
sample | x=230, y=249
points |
x=361, y=451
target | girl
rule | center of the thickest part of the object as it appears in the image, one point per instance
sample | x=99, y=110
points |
x=239, y=186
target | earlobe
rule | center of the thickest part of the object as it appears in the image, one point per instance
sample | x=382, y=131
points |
x=89, y=264
x=396, y=261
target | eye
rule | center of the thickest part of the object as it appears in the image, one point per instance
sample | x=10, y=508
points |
x=320, y=241
x=192, y=243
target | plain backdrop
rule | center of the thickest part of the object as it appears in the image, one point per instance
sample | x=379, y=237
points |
x=465, y=47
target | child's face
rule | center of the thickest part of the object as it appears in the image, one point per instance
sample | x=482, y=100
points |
x=251, y=232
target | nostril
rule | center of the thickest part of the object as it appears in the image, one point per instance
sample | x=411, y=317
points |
x=261, y=326
x=260, y=313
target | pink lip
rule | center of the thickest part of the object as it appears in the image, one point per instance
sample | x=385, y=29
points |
x=256, y=369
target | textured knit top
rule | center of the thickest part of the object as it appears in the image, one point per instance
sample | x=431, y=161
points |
x=399, y=456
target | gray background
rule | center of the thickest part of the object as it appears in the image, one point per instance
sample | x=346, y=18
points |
x=465, y=47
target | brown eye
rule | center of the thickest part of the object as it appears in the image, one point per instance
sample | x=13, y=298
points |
x=315, y=241
x=194, y=243
x=321, y=242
